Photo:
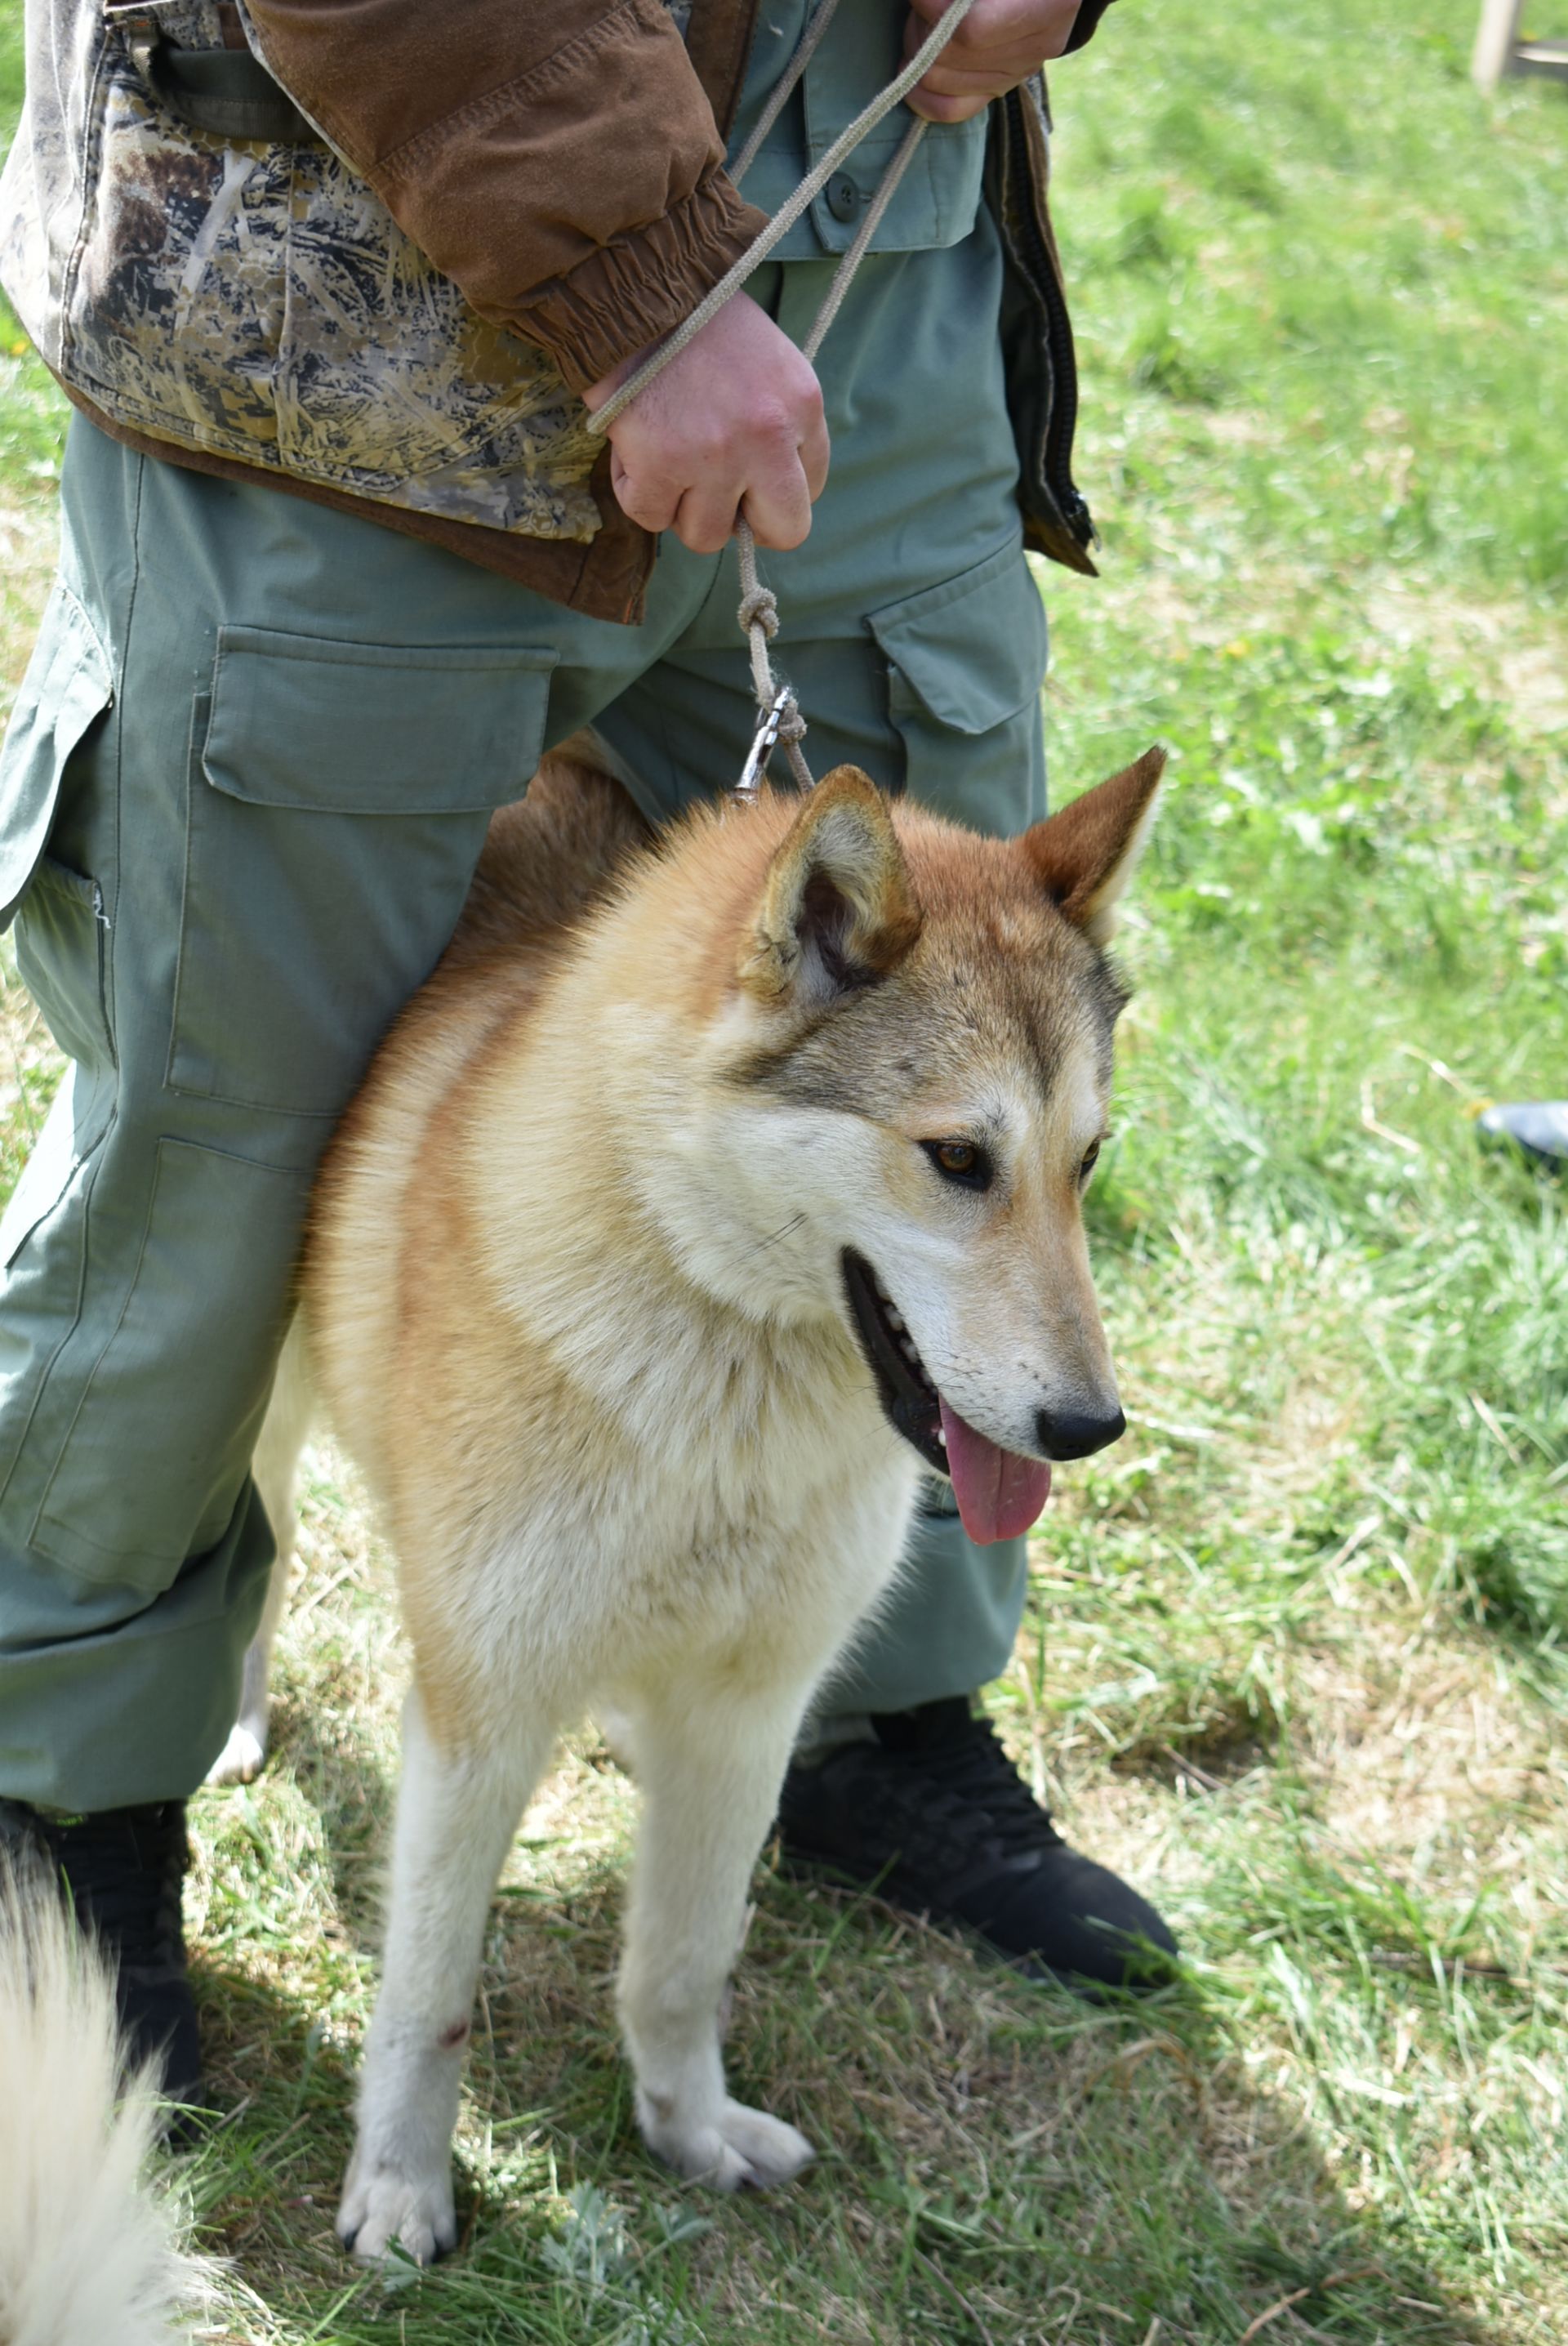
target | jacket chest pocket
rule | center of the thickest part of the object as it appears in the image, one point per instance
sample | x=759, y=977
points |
x=338, y=795
x=936, y=202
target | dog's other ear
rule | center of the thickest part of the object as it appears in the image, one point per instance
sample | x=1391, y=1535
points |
x=1087, y=854
x=837, y=910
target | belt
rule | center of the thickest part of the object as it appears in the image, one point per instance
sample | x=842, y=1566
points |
x=226, y=94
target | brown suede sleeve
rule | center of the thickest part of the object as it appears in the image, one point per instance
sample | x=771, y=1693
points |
x=558, y=158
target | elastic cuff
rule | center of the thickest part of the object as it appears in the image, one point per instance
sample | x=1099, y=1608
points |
x=636, y=291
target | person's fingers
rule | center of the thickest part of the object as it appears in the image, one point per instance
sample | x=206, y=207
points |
x=1002, y=24
x=947, y=109
x=768, y=530
x=1000, y=44
x=705, y=523
x=946, y=95
x=949, y=93
x=778, y=503
x=816, y=452
x=644, y=498
x=971, y=76
x=779, y=491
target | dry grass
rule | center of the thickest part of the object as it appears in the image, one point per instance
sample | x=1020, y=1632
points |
x=1004, y=2164
x=27, y=539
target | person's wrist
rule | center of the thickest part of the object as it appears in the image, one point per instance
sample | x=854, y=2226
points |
x=595, y=393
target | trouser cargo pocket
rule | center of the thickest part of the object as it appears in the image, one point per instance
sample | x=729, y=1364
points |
x=966, y=666
x=338, y=800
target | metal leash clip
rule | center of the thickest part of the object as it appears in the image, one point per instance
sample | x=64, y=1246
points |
x=763, y=747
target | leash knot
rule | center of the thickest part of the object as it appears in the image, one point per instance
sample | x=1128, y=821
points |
x=760, y=608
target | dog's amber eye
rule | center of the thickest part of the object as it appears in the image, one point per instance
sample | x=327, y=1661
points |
x=960, y=1161
x=1091, y=1155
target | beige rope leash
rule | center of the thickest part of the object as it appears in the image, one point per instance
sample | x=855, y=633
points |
x=781, y=720
x=758, y=615
x=759, y=610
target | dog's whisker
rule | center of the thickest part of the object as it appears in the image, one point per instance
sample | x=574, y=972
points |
x=786, y=1229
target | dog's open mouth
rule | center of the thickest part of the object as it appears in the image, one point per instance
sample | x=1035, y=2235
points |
x=999, y=1493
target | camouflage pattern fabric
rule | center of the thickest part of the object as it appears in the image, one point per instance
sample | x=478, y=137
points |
x=261, y=303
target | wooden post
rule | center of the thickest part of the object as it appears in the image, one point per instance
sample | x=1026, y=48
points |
x=1495, y=37
x=1499, y=49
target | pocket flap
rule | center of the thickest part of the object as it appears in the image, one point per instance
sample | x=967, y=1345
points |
x=966, y=647
x=375, y=729
x=67, y=685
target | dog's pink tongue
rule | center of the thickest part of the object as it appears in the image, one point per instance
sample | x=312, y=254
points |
x=999, y=1493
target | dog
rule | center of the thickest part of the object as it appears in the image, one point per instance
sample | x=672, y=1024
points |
x=716, y=1189
x=712, y=1193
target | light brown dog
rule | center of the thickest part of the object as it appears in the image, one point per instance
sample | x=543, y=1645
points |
x=714, y=1189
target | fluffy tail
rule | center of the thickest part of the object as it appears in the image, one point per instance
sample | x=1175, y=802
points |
x=89, y=2254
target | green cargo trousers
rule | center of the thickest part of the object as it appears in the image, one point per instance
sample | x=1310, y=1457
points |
x=245, y=788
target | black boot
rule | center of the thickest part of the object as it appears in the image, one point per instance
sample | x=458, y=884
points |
x=932, y=1814
x=122, y=1869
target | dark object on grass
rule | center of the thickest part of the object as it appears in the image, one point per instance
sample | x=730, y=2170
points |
x=1538, y=1128
x=123, y=1871
x=931, y=1813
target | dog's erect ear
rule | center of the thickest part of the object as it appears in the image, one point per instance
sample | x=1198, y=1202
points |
x=837, y=910
x=1087, y=854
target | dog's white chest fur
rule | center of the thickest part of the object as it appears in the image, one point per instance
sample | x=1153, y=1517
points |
x=681, y=1490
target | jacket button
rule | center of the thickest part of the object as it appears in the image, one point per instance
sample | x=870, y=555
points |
x=843, y=195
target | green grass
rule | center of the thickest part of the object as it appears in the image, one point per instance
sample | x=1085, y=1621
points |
x=32, y=431
x=1294, y=1657
x=32, y=413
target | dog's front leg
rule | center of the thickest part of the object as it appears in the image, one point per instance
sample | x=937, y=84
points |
x=710, y=1771
x=458, y=1806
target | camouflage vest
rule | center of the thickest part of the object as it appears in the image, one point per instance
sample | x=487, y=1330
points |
x=260, y=302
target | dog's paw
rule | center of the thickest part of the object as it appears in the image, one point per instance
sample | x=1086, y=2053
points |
x=742, y=2150
x=380, y=2207
x=240, y=1761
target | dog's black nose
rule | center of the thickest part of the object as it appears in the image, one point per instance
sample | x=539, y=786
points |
x=1072, y=1434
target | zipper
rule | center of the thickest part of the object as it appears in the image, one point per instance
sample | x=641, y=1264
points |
x=1058, y=452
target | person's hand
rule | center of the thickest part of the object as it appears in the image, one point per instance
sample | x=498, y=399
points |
x=999, y=43
x=734, y=425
